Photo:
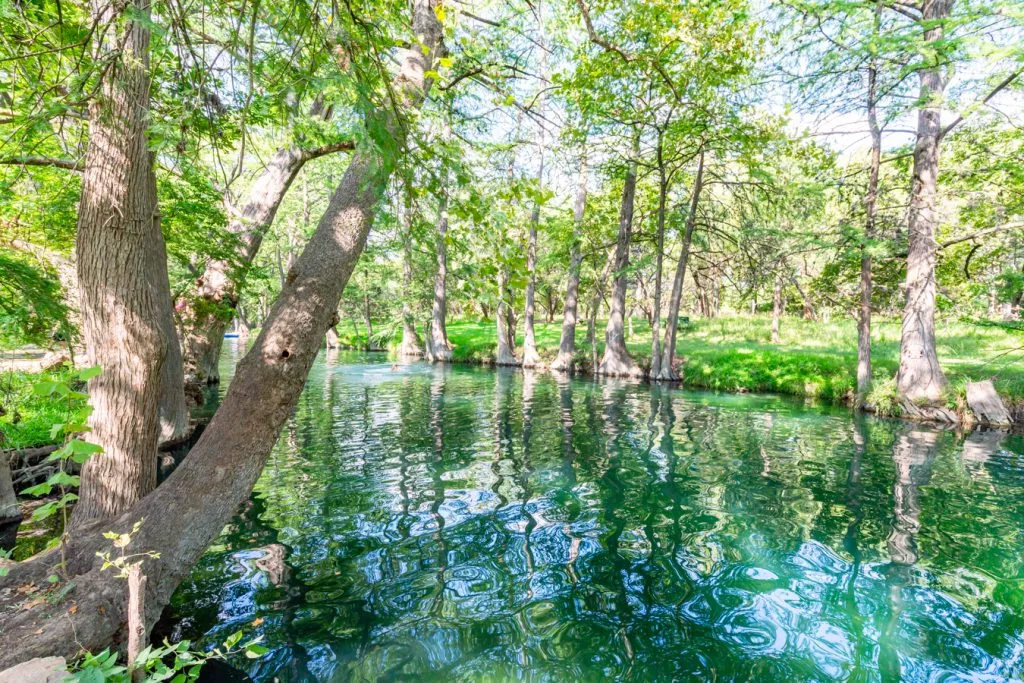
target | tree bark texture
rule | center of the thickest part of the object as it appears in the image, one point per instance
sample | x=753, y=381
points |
x=531, y=357
x=506, y=354
x=616, y=361
x=117, y=228
x=411, y=347
x=172, y=410
x=180, y=518
x=438, y=348
x=667, y=371
x=567, y=343
x=870, y=208
x=776, y=308
x=659, y=257
x=920, y=379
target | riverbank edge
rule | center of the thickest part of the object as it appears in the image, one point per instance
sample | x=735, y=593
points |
x=960, y=416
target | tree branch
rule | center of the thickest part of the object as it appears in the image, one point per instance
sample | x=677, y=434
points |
x=317, y=152
x=597, y=39
x=992, y=93
x=19, y=160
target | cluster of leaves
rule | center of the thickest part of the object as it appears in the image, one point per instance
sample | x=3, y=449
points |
x=173, y=662
x=75, y=449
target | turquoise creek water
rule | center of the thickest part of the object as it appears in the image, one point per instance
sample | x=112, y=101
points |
x=464, y=523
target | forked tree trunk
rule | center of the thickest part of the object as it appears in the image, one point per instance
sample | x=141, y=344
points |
x=506, y=354
x=117, y=229
x=180, y=518
x=920, y=379
x=531, y=357
x=776, y=308
x=438, y=349
x=667, y=370
x=870, y=204
x=411, y=347
x=208, y=314
x=567, y=344
x=616, y=361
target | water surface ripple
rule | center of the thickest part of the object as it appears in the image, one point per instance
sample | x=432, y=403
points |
x=459, y=523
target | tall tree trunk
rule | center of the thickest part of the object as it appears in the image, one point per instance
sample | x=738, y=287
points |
x=567, y=343
x=207, y=316
x=117, y=229
x=870, y=204
x=920, y=379
x=367, y=317
x=172, y=409
x=616, y=360
x=180, y=518
x=531, y=357
x=776, y=308
x=666, y=370
x=506, y=354
x=438, y=348
x=659, y=257
x=411, y=346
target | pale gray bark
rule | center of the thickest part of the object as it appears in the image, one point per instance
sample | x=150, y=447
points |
x=659, y=257
x=666, y=370
x=438, y=348
x=616, y=360
x=776, y=308
x=411, y=346
x=506, y=354
x=180, y=518
x=531, y=357
x=920, y=379
x=870, y=208
x=567, y=343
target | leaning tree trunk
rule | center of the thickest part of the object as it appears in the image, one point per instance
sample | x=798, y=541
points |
x=438, y=348
x=667, y=370
x=920, y=380
x=616, y=360
x=531, y=357
x=208, y=314
x=506, y=354
x=180, y=518
x=172, y=409
x=659, y=257
x=117, y=229
x=870, y=204
x=567, y=343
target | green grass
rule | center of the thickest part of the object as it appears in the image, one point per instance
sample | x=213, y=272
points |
x=814, y=359
x=26, y=417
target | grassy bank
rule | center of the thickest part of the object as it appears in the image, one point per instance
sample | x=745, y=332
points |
x=814, y=359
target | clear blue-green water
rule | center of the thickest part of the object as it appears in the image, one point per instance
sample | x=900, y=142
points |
x=463, y=523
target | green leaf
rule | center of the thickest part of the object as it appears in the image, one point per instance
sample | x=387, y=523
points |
x=256, y=651
x=87, y=374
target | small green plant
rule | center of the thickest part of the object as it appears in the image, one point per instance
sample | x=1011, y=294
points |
x=176, y=662
x=122, y=562
x=74, y=450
